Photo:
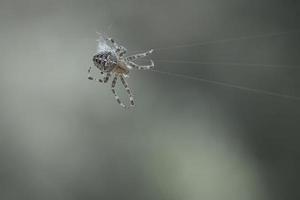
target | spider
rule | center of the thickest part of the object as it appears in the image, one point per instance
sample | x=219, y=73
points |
x=112, y=61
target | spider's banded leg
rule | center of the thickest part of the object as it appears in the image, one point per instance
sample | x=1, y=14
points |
x=113, y=84
x=92, y=78
x=106, y=78
x=132, y=104
x=140, y=55
x=119, y=49
x=143, y=67
x=122, y=52
x=113, y=42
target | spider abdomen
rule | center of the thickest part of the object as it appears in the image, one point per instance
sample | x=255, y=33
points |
x=106, y=61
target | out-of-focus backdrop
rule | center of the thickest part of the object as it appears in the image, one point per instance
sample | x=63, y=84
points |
x=64, y=137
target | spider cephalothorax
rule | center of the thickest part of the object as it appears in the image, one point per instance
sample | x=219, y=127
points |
x=111, y=60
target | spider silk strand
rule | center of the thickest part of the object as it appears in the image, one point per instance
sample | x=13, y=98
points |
x=253, y=90
x=247, y=37
x=226, y=63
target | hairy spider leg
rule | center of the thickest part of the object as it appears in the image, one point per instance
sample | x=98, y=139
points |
x=119, y=49
x=128, y=91
x=139, y=55
x=113, y=84
x=142, y=67
x=132, y=104
x=92, y=78
x=106, y=78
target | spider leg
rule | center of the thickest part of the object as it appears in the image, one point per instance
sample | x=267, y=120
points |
x=92, y=78
x=122, y=52
x=119, y=49
x=142, y=67
x=139, y=55
x=106, y=78
x=132, y=104
x=113, y=84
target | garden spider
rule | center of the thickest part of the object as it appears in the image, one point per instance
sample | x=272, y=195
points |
x=111, y=61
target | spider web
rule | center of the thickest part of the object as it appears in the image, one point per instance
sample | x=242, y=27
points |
x=259, y=91
x=224, y=84
x=104, y=46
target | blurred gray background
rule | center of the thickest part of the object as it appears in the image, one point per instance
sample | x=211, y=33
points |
x=63, y=137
